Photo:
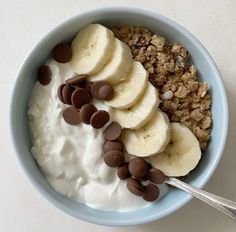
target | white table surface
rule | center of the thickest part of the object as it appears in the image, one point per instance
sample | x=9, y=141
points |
x=23, y=23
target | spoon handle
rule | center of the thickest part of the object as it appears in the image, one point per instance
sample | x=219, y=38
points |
x=226, y=206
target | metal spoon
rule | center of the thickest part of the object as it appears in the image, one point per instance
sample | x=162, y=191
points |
x=225, y=206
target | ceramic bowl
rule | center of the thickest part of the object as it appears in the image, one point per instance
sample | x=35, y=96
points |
x=207, y=71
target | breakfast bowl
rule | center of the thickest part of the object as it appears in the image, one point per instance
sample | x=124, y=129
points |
x=207, y=72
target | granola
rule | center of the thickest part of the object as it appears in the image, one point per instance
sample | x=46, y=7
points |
x=183, y=97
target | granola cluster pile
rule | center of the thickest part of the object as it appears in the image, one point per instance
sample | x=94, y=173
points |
x=183, y=97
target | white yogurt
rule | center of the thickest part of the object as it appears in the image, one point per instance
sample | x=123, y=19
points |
x=71, y=156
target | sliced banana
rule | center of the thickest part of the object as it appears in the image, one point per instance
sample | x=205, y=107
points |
x=118, y=67
x=92, y=48
x=181, y=155
x=138, y=115
x=150, y=139
x=128, y=92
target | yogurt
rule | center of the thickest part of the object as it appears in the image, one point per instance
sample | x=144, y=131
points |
x=71, y=156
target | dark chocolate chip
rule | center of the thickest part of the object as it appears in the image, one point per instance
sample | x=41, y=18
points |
x=151, y=192
x=86, y=85
x=62, y=53
x=142, y=179
x=80, y=97
x=106, y=92
x=96, y=87
x=135, y=187
x=99, y=119
x=59, y=93
x=114, y=158
x=138, y=167
x=113, y=131
x=44, y=75
x=156, y=176
x=77, y=79
x=113, y=145
x=123, y=171
x=66, y=93
x=86, y=112
x=71, y=115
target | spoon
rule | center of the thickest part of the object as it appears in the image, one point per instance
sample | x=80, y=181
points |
x=225, y=206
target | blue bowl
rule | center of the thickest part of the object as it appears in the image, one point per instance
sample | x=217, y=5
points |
x=207, y=71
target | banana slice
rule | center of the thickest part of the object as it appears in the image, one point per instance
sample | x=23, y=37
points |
x=118, y=67
x=92, y=48
x=138, y=115
x=150, y=139
x=181, y=155
x=130, y=90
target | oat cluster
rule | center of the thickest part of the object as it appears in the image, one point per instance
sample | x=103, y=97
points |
x=183, y=97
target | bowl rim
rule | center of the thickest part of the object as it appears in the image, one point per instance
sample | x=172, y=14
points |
x=205, y=53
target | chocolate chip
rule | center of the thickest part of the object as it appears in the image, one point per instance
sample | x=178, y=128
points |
x=96, y=87
x=86, y=85
x=143, y=178
x=114, y=158
x=99, y=119
x=113, y=131
x=86, y=112
x=151, y=192
x=77, y=79
x=156, y=176
x=138, y=167
x=59, y=92
x=113, y=145
x=80, y=97
x=62, y=53
x=135, y=187
x=106, y=92
x=71, y=115
x=44, y=75
x=66, y=93
x=123, y=171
